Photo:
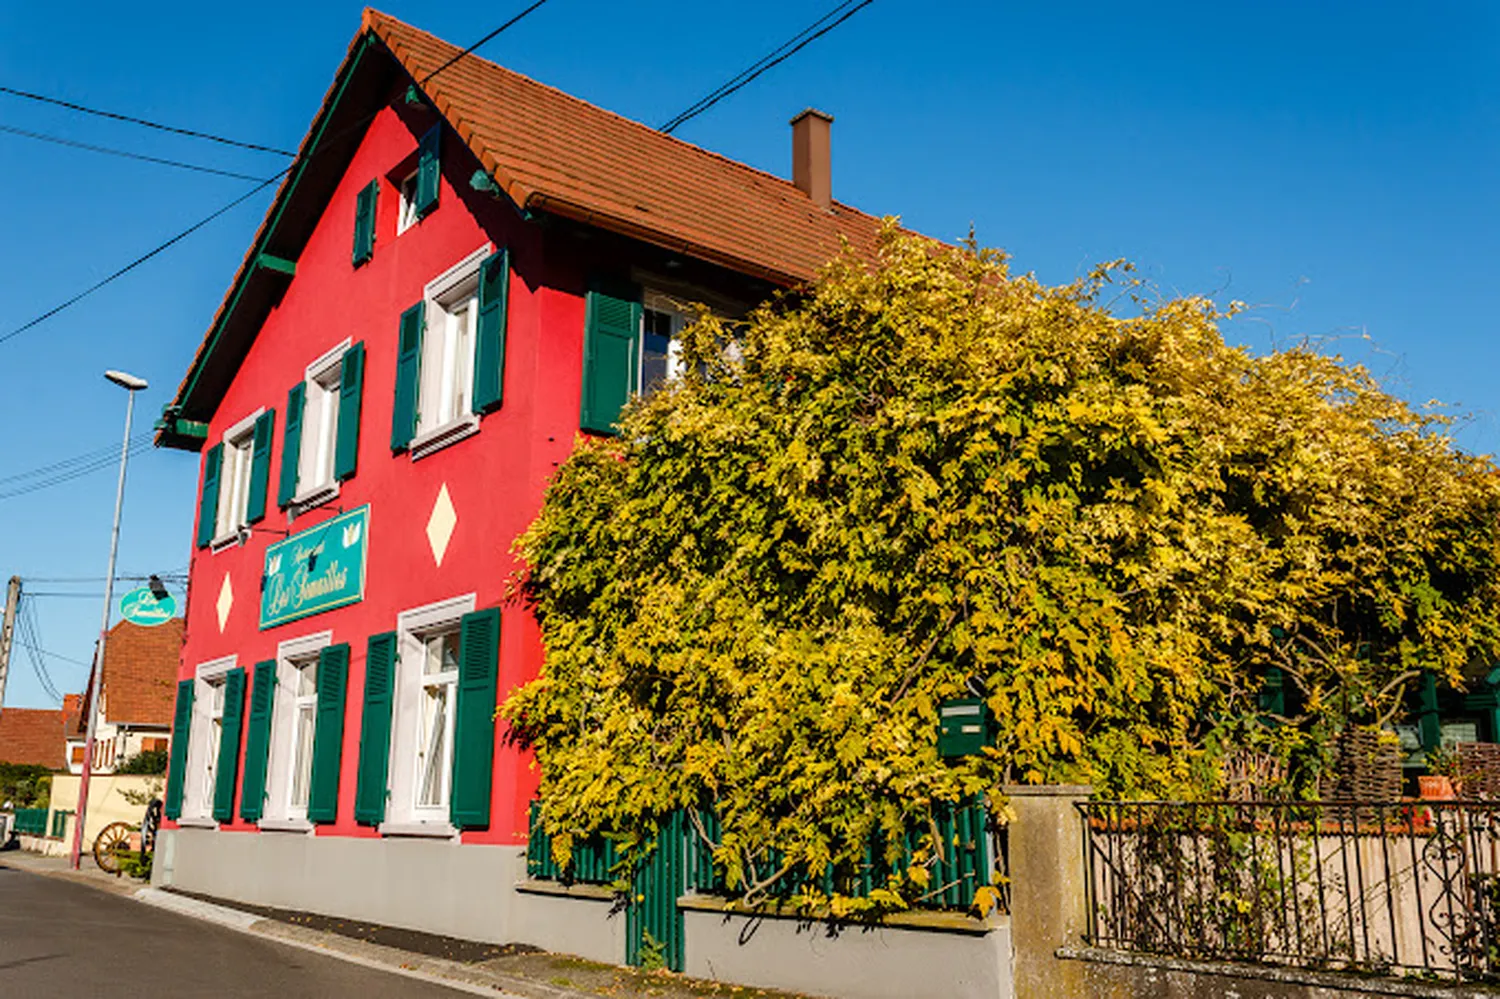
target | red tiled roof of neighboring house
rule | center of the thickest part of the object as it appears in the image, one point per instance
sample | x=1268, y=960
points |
x=33, y=736
x=140, y=674
x=553, y=152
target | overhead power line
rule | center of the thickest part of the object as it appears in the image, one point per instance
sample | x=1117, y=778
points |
x=30, y=639
x=125, y=154
x=137, y=447
x=822, y=26
x=192, y=133
x=80, y=459
x=116, y=275
x=267, y=182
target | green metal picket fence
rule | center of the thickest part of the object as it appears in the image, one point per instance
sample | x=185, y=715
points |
x=59, y=823
x=31, y=821
x=681, y=860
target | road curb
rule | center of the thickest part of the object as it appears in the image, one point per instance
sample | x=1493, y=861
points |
x=433, y=970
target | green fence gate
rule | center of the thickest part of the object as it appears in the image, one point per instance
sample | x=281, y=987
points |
x=31, y=821
x=680, y=860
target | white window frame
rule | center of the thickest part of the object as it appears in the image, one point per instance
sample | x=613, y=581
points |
x=320, y=436
x=403, y=816
x=446, y=369
x=406, y=214
x=655, y=301
x=231, y=513
x=279, y=812
x=202, y=756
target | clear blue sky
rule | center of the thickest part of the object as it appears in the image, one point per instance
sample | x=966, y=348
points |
x=1334, y=164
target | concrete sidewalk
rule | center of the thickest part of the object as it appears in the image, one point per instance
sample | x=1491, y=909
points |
x=523, y=974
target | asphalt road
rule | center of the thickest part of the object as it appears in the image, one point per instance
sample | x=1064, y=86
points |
x=61, y=939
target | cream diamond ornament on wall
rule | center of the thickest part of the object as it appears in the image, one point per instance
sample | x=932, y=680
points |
x=226, y=601
x=441, y=524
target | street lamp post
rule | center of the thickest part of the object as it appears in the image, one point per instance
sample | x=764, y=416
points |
x=132, y=385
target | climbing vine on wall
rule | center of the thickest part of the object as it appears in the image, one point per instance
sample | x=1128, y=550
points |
x=925, y=475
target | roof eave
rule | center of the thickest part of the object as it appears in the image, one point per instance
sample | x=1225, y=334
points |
x=251, y=280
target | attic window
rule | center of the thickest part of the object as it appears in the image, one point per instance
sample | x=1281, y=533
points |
x=408, y=216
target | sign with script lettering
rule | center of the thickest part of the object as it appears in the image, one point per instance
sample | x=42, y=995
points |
x=316, y=570
x=141, y=607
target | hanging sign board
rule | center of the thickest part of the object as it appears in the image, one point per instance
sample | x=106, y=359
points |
x=141, y=607
x=316, y=570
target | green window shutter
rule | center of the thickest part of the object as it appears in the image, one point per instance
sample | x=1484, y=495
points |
x=364, y=222
x=474, y=719
x=375, y=729
x=328, y=734
x=1272, y=696
x=429, y=171
x=229, y=745
x=258, y=742
x=408, y=370
x=351, y=393
x=208, y=499
x=182, y=720
x=291, y=444
x=260, y=465
x=610, y=337
x=1429, y=723
x=489, y=347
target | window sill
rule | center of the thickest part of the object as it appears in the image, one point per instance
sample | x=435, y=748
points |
x=440, y=437
x=430, y=830
x=231, y=540
x=198, y=822
x=312, y=498
x=286, y=825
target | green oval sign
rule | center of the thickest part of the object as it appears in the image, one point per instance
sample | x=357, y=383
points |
x=141, y=607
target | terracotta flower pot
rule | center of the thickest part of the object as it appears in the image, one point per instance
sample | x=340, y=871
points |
x=1435, y=787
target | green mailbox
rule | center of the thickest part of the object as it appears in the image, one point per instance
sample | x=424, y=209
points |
x=963, y=726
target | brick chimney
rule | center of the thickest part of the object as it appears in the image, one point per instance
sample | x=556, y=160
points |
x=811, y=158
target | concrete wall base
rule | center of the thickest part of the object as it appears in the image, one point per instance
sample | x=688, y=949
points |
x=480, y=893
x=1115, y=975
x=850, y=962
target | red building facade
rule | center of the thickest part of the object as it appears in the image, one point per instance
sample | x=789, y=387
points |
x=464, y=271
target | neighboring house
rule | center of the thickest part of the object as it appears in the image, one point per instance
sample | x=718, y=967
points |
x=137, y=691
x=458, y=278
x=35, y=736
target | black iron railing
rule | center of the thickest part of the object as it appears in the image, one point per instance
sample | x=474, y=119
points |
x=1376, y=887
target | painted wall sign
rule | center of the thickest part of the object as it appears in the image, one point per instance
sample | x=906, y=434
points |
x=141, y=607
x=316, y=570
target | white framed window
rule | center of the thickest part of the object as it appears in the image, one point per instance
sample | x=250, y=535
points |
x=426, y=695
x=204, y=733
x=445, y=385
x=234, y=479
x=660, y=355
x=294, y=715
x=407, y=216
x=320, y=427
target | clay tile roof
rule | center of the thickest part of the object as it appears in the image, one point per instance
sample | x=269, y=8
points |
x=140, y=673
x=33, y=736
x=554, y=152
x=551, y=153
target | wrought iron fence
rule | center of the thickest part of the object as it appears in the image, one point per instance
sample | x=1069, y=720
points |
x=1375, y=887
x=31, y=821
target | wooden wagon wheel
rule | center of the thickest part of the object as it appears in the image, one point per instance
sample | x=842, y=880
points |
x=113, y=840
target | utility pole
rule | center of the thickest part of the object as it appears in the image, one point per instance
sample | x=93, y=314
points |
x=8, y=632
